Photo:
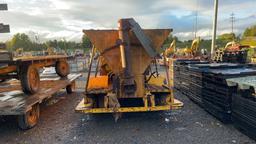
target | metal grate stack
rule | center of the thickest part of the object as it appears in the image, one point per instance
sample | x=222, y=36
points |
x=206, y=85
x=198, y=83
x=217, y=95
x=182, y=75
x=244, y=105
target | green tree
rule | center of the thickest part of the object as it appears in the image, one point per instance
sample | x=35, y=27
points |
x=250, y=32
x=227, y=37
x=20, y=40
x=86, y=43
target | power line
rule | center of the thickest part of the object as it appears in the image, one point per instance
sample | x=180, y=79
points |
x=232, y=20
x=196, y=20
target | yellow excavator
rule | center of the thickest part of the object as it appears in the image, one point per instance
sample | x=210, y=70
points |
x=19, y=52
x=50, y=51
x=189, y=52
x=171, y=50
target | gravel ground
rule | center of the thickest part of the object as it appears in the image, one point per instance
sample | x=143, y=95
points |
x=60, y=124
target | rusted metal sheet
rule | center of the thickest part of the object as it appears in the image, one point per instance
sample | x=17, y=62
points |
x=105, y=42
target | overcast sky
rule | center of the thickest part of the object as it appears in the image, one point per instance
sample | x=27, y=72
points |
x=59, y=19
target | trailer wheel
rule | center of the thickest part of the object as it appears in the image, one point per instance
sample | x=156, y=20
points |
x=30, y=118
x=30, y=80
x=70, y=88
x=62, y=68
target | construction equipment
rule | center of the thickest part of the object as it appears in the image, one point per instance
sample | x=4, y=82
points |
x=126, y=82
x=171, y=50
x=183, y=52
x=19, y=52
x=180, y=53
x=232, y=52
x=50, y=51
x=189, y=52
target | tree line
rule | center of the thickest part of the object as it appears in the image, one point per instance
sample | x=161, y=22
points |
x=22, y=40
x=247, y=38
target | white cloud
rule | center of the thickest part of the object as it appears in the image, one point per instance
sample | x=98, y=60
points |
x=66, y=18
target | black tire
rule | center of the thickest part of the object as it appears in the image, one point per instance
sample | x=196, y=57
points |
x=29, y=78
x=62, y=68
x=30, y=118
x=70, y=88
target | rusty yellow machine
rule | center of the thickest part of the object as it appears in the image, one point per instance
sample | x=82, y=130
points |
x=189, y=52
x=127, y=80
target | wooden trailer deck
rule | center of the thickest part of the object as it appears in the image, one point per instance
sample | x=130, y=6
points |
x=13, y=101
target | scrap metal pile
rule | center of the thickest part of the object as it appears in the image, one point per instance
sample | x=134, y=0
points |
x=208, y=85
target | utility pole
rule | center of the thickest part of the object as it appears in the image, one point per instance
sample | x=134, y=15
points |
x=215, y=19
x=196, y=20
x=232, y=19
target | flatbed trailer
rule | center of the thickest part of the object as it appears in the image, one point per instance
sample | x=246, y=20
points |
x=13, y=101
x=26, y=69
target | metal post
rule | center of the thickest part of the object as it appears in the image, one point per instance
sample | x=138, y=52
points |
x=123, y=32
x=90, y=68
x=214, y=26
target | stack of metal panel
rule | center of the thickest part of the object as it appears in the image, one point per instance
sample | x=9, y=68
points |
x=182, y=75
x=196, y=82
x=235, y=57
x=197, y=79
x=217, y=95
x=207, y=85
x=244, y=104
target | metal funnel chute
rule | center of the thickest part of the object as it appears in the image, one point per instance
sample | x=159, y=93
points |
x=106, y=42
x=126, y=77
x=128, y=52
